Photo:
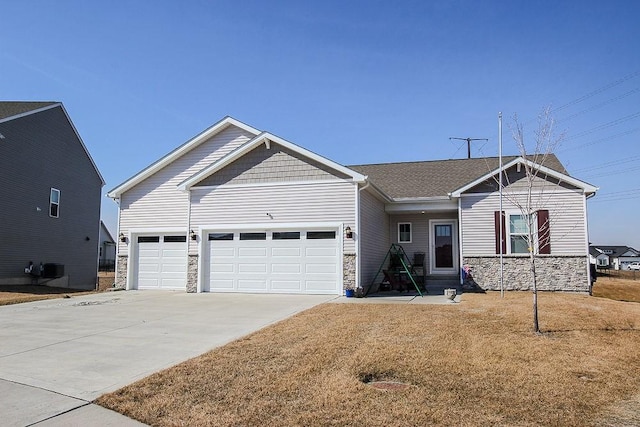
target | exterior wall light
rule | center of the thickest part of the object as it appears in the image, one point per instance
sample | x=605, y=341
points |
x=122, y=237
x=193, y=235
x=348, y=232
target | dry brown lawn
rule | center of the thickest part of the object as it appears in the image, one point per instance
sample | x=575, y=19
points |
x=16, y=294
x=469, y=364
x=619, y=289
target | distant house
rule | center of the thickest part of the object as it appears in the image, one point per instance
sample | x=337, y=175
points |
x=236, y=209
x=50, y=196
x=106, y=250
x=615, y=257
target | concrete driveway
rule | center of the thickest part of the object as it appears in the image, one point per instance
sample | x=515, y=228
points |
x=56, y=356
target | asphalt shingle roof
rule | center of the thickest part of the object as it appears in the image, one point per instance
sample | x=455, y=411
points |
x=13, y=108
x=435, y=178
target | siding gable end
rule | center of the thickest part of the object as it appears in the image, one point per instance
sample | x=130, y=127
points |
x=277, y=164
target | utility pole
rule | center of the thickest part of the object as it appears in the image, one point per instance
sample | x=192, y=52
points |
x=469, y=143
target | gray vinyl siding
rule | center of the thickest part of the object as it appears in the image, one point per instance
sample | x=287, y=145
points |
x=419, y=231
x=286, y=204
x=38, y=152
x=566, y=217
x=276, y=164
x=374, y=236
x=157, y=203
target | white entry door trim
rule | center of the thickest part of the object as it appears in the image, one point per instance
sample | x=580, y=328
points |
x=443, y=246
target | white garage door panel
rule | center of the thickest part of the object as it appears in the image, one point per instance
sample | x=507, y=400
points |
x=288, y=252
x=286, y=285
x=222, y=284
x=252, y=285
x=161, y=265
x=252, y=252
x=285, y=268
x=283, y=264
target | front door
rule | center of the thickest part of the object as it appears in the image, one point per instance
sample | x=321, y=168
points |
x=443, y=246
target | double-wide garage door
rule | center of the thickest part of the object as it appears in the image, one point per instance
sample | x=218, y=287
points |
x=292, y=261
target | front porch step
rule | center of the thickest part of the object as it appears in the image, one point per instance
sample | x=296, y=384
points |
x=436, y=284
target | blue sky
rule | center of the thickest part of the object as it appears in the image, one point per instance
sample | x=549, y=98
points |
x=357, y=81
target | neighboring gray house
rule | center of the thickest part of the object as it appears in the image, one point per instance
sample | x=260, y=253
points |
x=106, y=249
x=615, y=257
x=239, y=210
x=50, y=191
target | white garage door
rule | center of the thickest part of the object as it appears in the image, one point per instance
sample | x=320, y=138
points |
x=162, y=262
x=304, y=261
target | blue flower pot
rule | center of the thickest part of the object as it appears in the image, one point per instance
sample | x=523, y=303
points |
x=349, y=293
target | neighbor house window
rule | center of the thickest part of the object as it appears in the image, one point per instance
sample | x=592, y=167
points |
x=404, y=232
x=54, y=203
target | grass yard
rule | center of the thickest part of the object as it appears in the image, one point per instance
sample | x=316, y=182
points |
x=469, y=364
x=16, y=294
x=619, y=289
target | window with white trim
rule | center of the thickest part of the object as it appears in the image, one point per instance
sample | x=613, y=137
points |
x=54, y=203
x=404, y=232
x=518, y=233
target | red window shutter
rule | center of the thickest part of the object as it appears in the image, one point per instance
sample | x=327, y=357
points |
x=544, y=238
x=499, y=223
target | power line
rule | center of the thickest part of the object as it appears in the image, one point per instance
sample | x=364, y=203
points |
x=598, y=91
x=597, y=141
x=602, y=104
x=605, y=125
x=608, y=164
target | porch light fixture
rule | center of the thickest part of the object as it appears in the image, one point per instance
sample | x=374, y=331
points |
x=348, y=232
x=122, y=237
x=193, y=235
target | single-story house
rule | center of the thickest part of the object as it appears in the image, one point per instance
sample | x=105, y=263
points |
x=615, y=257
x=236, y=209
x=50, y=191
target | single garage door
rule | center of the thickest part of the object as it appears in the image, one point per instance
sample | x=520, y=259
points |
x=292, y=261
x=162, y=262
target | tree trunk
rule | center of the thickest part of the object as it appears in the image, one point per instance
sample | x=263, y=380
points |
x=536, y=326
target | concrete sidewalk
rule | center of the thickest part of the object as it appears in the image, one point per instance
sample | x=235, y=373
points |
x=59, y=355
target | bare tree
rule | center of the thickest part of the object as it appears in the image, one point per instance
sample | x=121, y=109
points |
x=533, y=224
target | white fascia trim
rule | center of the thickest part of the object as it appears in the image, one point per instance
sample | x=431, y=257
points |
x=269, y=226
x=270, y=184
x=178, y=152
x=586, y=188
x=154, y=230
x=259, y=139
x=433, y=206
x=28, y=113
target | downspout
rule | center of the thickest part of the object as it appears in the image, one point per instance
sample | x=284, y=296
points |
x=189, y=244
x=461, y=266
x=586, y=238
x=358, y=233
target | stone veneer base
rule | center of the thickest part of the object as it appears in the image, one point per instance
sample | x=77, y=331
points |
x=121, y=272
x=554, y=273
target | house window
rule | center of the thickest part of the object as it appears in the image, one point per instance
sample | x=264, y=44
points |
x=54, y=203
x=404, y=232
x=602, y=262
x=515, y=235
x=519, y=234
